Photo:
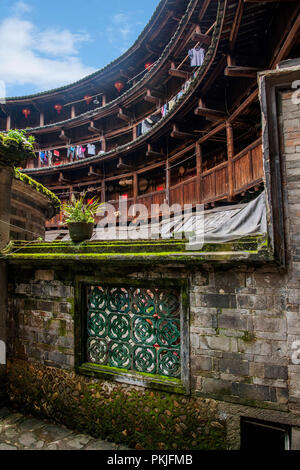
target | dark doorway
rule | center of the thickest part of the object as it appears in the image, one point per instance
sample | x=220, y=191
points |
x=256, y=434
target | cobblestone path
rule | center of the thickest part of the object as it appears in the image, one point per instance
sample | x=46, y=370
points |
x=19, y=432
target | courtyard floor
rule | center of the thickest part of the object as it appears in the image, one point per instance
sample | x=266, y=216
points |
x=19, y=432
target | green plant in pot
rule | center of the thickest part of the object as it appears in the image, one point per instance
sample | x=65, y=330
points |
x=80, y=215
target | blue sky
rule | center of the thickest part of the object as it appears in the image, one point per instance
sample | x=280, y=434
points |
x=49, y=43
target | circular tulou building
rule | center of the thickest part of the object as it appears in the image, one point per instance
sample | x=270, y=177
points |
x=199, y=340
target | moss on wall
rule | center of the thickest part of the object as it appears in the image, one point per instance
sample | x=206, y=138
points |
x=142, y=419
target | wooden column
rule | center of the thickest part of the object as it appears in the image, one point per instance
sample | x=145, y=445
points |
x=103, y=144
x=73, y=112
x=42, y=119
x=168, y=181
x=134, y=132
x=135, y=187
x=103, y=100
x=230, y=154
x=199, y=171
x=8, y=123
x=103, y=191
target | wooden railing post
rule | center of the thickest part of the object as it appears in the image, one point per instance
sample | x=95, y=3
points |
x=199, y=171
x=230, y=154
x=168, y=181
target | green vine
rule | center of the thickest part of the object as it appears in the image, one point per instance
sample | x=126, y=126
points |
x=39, y=188
x=15, y=147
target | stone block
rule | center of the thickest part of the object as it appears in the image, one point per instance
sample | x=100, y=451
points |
x=236, y=367
x=233, y=322
x=218, y=300
x=254, y=392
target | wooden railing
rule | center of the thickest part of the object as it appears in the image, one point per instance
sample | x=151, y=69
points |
x=209, y=186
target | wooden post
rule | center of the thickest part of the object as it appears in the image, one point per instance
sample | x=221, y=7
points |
x=42, y=119
x=168, y=181
x=8, y=123
x=73, y=112
x=134, y=132
x=199, y=171
x=135, y=187
x=230, y=154
x=103, y=100
x=103, y=191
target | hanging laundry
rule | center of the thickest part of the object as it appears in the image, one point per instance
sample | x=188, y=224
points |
x=145, y=127
x=197, y=55
x=80, y=152
x=139, y=130
x=172, y=104
x=43, y=158
x=91, y=149
x=71, y=152
x=165, y=109
x=49, y=155
x=154, y=119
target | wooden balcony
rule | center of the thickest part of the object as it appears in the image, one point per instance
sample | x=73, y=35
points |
x=208, y=186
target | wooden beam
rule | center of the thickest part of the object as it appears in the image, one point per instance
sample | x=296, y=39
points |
x=241, y=72
x=150, y=98
x=236, y=25
x=152, y=154
x=201, y=38
x=176, y=134
x=92, y=172
x=213, y=132
x=291, y=39
x=205, y=6
x=209, y=114
x=123, y=166
x=179, y=73
x=94, y=129
x=123, y=116
x=61, y=179
x=62, y=136
x=244, y=105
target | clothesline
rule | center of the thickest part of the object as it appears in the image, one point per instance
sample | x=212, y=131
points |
x=143, y=71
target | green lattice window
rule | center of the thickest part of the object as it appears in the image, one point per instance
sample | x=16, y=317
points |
x=135, y=329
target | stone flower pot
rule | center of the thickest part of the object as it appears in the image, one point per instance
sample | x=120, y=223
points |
x=80, y=231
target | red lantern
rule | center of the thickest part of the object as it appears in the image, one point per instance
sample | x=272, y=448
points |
x=119, y=86
x=58, y=108
x=26, y=112
x=87, y=99
x=148, y=65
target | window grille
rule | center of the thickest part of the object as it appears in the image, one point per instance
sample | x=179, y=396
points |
x=135, y=329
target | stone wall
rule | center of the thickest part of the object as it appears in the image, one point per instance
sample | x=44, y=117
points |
x=28, y=213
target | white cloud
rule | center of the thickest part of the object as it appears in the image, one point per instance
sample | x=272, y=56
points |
x=45, y=59
x=20, y=8
x=121, y=31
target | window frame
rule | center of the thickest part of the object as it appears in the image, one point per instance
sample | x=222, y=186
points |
x=174, y=385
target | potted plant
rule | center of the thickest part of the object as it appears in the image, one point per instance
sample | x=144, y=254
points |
x=80, y=215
